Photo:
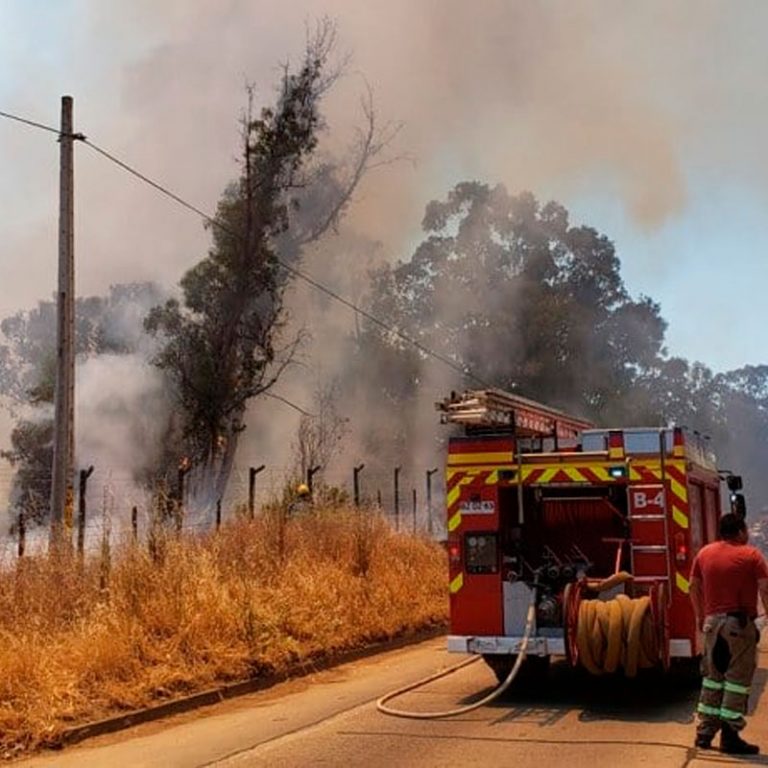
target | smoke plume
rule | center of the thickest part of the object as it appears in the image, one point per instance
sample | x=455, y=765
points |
x=551, y=96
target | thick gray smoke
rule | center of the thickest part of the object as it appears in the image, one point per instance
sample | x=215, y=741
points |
x=553, y=96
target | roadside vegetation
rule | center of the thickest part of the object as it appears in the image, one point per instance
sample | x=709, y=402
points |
x=139, y=625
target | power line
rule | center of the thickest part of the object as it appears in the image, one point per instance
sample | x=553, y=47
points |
x=287, y=267
x=158, y=187
x=32, y=123
x=81, y=137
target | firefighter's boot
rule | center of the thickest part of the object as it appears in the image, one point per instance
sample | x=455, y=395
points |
x=704, y=741
x=733, y=744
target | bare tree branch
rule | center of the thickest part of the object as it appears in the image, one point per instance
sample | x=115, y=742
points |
x=370, y=141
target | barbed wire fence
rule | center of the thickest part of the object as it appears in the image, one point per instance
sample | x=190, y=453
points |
x=115, y=508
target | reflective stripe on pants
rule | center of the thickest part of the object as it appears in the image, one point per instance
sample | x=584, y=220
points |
x=728, y=664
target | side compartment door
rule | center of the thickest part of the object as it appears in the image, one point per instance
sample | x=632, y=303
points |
x=475, y=577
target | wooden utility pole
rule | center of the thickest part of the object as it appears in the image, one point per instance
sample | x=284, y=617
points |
x=62, y=491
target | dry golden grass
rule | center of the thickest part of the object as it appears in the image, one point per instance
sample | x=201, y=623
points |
x=80, y=642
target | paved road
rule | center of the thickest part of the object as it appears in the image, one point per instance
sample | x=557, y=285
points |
x=330, y=719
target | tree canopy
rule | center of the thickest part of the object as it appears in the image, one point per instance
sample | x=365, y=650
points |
x=510, y=291
x=223, y=343
x=110, y=324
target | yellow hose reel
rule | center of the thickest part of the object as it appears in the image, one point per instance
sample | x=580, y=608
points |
x=621, y=632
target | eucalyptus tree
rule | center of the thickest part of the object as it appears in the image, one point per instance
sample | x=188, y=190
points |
x=223, y=343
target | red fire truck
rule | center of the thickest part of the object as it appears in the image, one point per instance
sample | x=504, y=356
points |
x=590, y=531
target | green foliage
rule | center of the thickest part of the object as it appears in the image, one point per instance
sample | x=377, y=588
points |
x=219, y=346
x=742, y=396
x=108, y=324
x=31, y=454
x=103, y=324
x=506, y=288
x=730, y=408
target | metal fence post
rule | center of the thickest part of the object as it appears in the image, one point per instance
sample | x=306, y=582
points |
x=356, y=482
x=430, y=472
x=81, y=501
x=311, y=472
x=184, y=467
x=397, y=498
x=252, y=472
x=22, y=533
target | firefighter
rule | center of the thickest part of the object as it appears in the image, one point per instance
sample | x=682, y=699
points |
x=726, y=577
x=303, y=501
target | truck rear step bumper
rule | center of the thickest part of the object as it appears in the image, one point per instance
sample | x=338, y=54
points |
x=537, y=646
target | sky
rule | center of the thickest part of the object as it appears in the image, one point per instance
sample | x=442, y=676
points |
x=646, y=120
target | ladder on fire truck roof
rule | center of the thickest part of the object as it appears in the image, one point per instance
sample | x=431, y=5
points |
x=496, y=409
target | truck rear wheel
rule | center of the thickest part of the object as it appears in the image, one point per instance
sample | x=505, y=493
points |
x=533, y=667
x=686, y=670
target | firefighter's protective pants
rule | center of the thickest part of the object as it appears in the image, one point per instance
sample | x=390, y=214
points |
x=729, y=662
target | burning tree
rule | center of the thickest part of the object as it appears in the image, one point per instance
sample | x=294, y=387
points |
x=221, y=344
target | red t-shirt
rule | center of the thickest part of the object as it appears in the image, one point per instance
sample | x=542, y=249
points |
x=729, y=573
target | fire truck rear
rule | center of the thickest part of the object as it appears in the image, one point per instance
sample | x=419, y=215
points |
x=589, y=531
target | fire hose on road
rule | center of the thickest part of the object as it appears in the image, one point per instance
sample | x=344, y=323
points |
x=381, y=703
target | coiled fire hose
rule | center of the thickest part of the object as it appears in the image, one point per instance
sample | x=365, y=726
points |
x=381, y=703
x=616, y=632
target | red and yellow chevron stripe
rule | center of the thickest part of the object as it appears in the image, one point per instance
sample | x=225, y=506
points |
x=458, y=478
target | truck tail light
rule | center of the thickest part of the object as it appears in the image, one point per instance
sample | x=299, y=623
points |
x=681, y=548
x=454, y=552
